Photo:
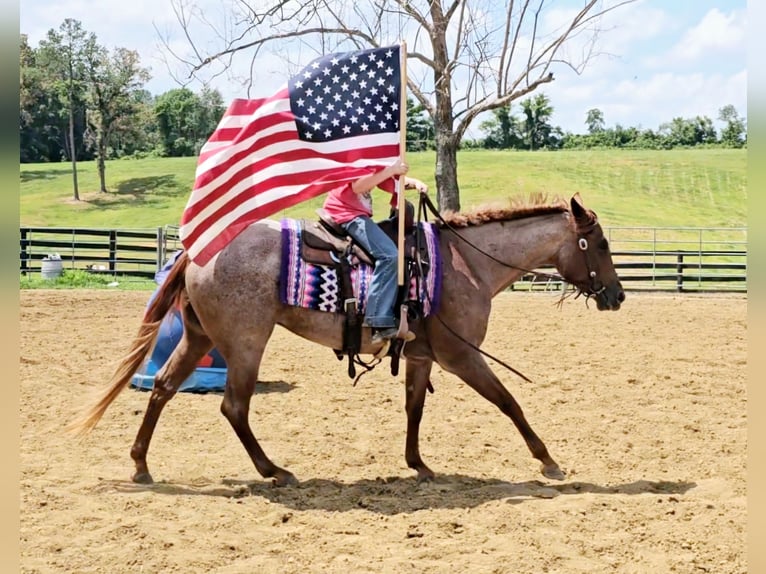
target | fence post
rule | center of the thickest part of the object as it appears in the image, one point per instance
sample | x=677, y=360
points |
x=112, y=250
x=160, y=248
x=680, y=273
x=24, y=254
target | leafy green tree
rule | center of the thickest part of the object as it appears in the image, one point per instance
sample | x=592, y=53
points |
x=734, y=134
x=111, y=79
x=536, y=129
x=39, y=110
x=594, y=119
x=502, y=130
x=420, y=127
x=63, y=55
x=185, y=120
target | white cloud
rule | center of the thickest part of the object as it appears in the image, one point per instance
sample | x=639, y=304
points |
x=717, y=32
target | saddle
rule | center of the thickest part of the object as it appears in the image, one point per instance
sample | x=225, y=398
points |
x=324, y=242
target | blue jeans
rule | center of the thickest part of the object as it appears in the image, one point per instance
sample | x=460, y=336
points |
x=379, y=312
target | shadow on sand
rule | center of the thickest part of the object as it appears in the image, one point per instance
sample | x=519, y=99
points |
x=395, y=495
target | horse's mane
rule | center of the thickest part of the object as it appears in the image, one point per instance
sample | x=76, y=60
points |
x=517, y=208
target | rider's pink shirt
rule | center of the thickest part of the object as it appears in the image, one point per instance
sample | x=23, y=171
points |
x=343, y=205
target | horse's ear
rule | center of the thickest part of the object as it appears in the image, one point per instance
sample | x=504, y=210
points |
x=578, y=209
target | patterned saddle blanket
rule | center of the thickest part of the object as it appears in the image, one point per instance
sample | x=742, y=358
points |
x=315, y=286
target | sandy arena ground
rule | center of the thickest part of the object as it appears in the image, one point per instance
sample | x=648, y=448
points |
x=644, y=408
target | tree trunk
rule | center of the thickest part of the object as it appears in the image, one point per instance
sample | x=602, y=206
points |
x=100, y=160
x=448, y=193
x=72, y=152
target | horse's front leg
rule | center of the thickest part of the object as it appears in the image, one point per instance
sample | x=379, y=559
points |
x=474, y=371
x=241, y=375
x=416, y=382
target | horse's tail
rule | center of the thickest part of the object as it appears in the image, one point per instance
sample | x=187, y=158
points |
x=143, y=343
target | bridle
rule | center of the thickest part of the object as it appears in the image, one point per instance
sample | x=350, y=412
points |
x=595, y=286
x=593, y=289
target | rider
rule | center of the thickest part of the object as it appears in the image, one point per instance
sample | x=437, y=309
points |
x=350, y=205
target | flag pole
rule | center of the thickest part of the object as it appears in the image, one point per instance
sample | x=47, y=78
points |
x=401, y=205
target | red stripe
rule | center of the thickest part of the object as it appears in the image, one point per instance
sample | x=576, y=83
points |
x=323, y=181
x=243, y=222
x=348, y=156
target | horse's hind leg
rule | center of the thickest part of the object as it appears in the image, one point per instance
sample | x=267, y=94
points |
x=416, y=382
x=182, y=362
x=471, y=368
x=241, y=377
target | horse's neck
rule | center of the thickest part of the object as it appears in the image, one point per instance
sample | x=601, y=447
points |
x=521, y=244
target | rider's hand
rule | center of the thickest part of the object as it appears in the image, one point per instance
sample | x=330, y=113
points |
x=399, y=168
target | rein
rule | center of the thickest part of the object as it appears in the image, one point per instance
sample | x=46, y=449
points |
x=582, y=243
x=426, y=203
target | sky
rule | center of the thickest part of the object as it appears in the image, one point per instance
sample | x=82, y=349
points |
x=658, y=59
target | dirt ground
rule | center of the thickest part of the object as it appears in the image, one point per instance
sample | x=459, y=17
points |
x=644, y=408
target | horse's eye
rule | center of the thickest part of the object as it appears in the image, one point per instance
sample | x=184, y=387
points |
x=603, y=244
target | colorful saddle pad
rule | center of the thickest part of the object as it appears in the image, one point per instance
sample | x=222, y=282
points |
x=312, y=286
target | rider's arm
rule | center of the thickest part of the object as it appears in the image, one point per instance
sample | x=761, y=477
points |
x=366, y=183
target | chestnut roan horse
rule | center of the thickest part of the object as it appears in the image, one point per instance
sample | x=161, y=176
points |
x=233, y=304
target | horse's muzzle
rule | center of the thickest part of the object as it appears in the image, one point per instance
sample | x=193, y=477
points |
x=610, y=298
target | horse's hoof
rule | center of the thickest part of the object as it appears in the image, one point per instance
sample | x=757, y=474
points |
x=553, y=471
x=143, y=478
x=284, y=479
x=425, y=476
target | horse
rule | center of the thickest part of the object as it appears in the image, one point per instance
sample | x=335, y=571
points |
x=232, y=304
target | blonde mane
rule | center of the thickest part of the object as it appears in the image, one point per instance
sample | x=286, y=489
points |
x=517, y=208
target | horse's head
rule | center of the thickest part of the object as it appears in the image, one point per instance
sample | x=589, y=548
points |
x=586, y=261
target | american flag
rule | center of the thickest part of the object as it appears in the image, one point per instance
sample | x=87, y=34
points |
x=335, y=121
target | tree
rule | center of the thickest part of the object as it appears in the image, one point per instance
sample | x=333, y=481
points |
x=734, y=133
x=595, y=121
x=63, y=54
x=185, y=120
x=111, y=79
x=466, y=58
x=536, y=130
x=420, y=127
x=502, y=130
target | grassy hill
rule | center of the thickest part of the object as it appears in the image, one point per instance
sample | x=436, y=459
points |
x=694, y=188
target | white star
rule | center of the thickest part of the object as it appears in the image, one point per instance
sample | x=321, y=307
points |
x=327, y=133
x=389, y=71
x=299, y=102
x=365, y=127
x=346, y=129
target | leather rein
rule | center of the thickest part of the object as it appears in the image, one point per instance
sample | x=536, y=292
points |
x=593, y=289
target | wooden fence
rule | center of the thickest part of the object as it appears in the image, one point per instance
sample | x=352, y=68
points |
x=126, y=252
x=646, y=258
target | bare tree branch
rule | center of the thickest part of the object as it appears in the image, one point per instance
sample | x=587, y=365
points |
x=469, y=56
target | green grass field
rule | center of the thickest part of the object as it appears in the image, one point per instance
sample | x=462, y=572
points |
x=685, y=188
